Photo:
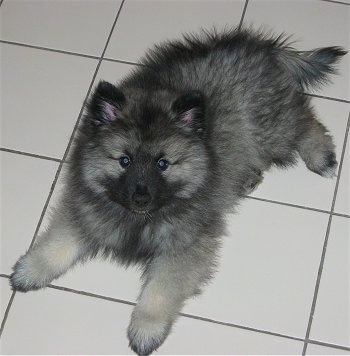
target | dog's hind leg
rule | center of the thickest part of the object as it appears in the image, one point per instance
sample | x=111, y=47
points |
x=316, y=148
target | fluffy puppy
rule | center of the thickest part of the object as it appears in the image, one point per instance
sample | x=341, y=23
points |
x=163, y=155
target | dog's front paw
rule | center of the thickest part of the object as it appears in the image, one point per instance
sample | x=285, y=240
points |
x=27, y=275
x=147, y=332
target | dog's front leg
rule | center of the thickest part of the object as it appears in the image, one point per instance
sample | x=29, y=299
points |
x=54, y=252
x=169, y=281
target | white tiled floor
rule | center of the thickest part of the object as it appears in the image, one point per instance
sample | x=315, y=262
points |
x=329, y=322
x=264, y=289
x=75, y=26
x=25, y=182
x=42, y=92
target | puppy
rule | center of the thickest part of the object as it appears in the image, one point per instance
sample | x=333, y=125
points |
x=162, y=156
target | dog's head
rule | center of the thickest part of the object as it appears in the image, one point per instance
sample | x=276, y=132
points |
x=144, y=150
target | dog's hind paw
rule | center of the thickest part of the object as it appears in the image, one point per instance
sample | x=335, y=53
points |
x=326, y=166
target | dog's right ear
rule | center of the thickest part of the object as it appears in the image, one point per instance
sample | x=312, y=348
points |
x=105, y=104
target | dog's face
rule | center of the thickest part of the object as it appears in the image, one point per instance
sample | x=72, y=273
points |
x=145, y=154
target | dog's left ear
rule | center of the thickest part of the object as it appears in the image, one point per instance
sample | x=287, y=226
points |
x=189, y=111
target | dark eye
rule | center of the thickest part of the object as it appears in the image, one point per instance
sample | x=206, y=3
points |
x=124, y=161
x=162, y=164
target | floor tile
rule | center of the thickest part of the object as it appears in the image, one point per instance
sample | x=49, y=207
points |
x=42, y=96
x=331, y=321
x=193, y=337
x=25, y=185
x=310, y=21
x=55, y=322
x=75, y=324
x=298, y=185
x=322, y=350
x=342, y=204
x=5, y=292
x=267, y=269
x=103, y=278
x=159, y=20
x=87, y=24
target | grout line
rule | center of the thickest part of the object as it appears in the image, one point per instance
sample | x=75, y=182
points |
x=320, y=269
x=43, y=212
x=68, y=52
x=288, y=204
x=49, y=49
x=326, y=344
x=242, y=327
x=317, y=285
x=9, y=305
x=342, y=215
x=112, y=30
x=65, y=155
x=123, y=61
x=190, y=316
x=243, y=14
x=29, y=154
x=337, y=2
x=91, y=295
x=4, y=275
x=327, y=97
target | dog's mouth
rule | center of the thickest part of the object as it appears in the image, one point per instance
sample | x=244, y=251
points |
x=140, y=212
x=145, y=210
x=144, y=214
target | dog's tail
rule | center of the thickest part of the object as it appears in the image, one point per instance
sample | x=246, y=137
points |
x=310, y=69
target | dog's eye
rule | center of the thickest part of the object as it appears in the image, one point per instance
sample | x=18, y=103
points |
x=162, y=164
x=124, y=161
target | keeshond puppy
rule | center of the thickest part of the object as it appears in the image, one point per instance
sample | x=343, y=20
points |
x=162, y=156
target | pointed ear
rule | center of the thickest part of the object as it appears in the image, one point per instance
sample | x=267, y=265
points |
x=189, y=110
x=106, y=103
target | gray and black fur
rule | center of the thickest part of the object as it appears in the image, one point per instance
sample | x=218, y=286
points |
x=162, y=156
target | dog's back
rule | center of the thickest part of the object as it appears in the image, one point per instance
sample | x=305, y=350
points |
x=255, y=111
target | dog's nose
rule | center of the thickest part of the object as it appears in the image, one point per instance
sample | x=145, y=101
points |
x=141, y=196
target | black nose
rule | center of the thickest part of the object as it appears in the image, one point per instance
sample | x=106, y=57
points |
x=141, y=196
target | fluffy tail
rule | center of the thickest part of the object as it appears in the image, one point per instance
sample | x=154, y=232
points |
x=311, y=68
